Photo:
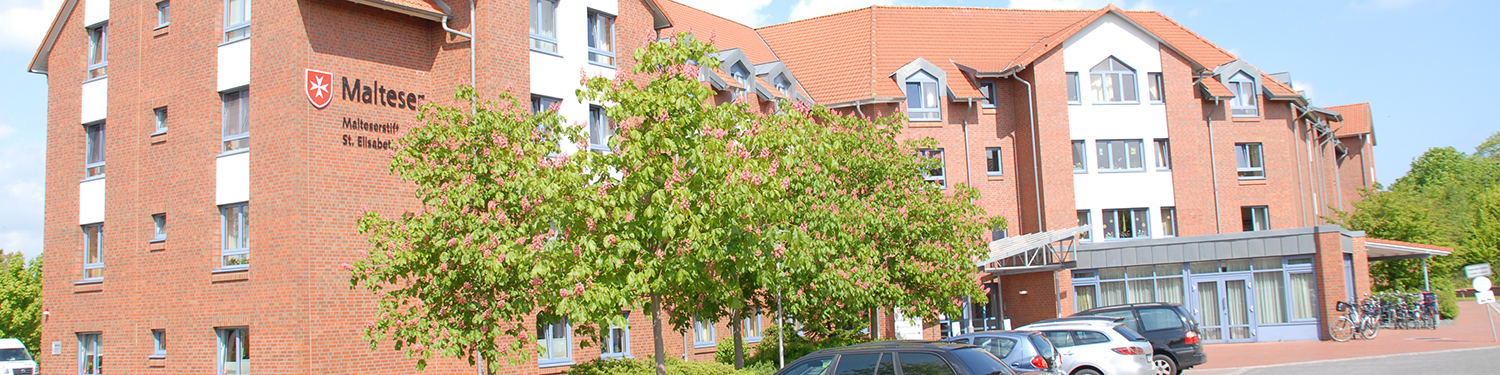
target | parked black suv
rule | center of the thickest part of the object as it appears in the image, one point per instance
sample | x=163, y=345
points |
x=1172, y=331
x=912, y=357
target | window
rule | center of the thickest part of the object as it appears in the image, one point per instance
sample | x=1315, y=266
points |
x=815, y=366
x=163, y=14
x=542, y=103
x=1073, y=88
x=544, y=26
x=1091, y=337
x=1060, y=339
x=1083, y=219
x=783, y=85
x=1255, y=218
x=98, y=50
x=1247, y=157
x=1243, y=104
x=1083, y=297
x=617, y=341
x=1079, y=164
x=922, y=98
x=1303, y=295
x=1119, y=155
x=93, y=251
x=601, y=128
x=236, y=242
x=1163, y=155
x=992, y=161
x=988, y=89
x=751, y=325
x=1270, y=296
x=554, y=343
x=938, y=174
x=236, y=120
x=999, y=232
x=703, y=334
x=740, y=74
x=93, y=150
x=1112, y=82
x=1169, y=221
x=1155, y=318
x=234, y=351
x=236, y=20
x=601, y=38
x=1126, y=223
x=160, y=114
x=923, y=364
x=158, y=343
x=159, y=221
x=90, y=356
x=1154, y=87
x=1128, y=315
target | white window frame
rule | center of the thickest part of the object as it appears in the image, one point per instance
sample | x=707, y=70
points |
x=1250, y=165
x=1120, y=216
x=163, y=14
x=1156, y=90
x=96, y=141
x=540, y=40
x=1080, y=156
x=994, y=161
x=1259, y=220
x=987, y=88
x=240, y=140
x=234, y=218
x=1244, y=103
x=235, y=340
x=1104, y=152
x=939, y=175
x=93, y=252
x=927, y=106
x=752, y=323
x=1075, y=94
x=158, y=343
x=90, y=342
x=622, y=333
x=235, y=30
x=601, y=129
x=1102, y=82
x=98, y=63
x=741, y=74
x=541, y=104
x=1163, y=151
x=545, y=341
x=159, y=224
x=783, y=85
x=1086, y=217
x=160, y=117
x=701, y=330
x=1168, y=221
x=601, y=52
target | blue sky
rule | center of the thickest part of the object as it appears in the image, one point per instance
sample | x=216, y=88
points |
x=1405, y=57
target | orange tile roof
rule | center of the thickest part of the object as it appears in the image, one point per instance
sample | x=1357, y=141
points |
x=1404, y=243
x=728, y=79
x=962, y=86
x=1216, y=89
x=1192, y=45
x=722, y=32
x=1277, y=88
x=769, y=88
x=418, y=8
x=1357, y=119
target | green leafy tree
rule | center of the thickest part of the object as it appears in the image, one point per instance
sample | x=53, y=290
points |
x=21, y=299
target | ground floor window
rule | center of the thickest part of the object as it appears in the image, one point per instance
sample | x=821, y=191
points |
x=703, y=333
x=234, y=351
x=90, y=354
x=617, y=344
x=553, y=343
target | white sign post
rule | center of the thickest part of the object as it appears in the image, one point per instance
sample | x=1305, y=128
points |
x=1484, y=295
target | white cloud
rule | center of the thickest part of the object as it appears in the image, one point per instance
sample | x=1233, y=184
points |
x=748, y=12
x=21, y=190
x=813, y=8
x=1306, y=88
x=6, y=131
x=23, y=23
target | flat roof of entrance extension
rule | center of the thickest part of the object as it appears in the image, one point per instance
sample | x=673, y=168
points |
x=1379, y=249
x=1007, y=247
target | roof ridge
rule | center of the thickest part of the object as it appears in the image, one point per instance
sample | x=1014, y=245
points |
x=1195, y=35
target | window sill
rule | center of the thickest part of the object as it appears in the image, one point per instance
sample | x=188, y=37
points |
x=562, y=363
x=1245, y=118
x=95, y=177
x=1164, y=169
x=156, y=361
x=88, y=286
x=224, y=275
x=704, y=345
x=549, y=53
x=1253, y=181
x=157, y=244
x=228, y=42
x=1116, y=103
x=611, y=67
x=159, y=137
x=1080, y=171
x=234, y=152
x=996, y=177
x=1075, y=103
x=86, y=81
x=1109, y=171
x=616, y=356
x=753, y=339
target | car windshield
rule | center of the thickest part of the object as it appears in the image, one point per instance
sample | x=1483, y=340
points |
x=1129, y=334
x=15, y=354
x=981, y=362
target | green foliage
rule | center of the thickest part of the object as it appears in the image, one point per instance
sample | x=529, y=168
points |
x=1447, y=304
x=675, y=366
x=21, y=299
x=764, y=353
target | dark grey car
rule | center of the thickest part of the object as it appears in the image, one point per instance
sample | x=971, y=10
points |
x=1021, y=350
x=900, y=358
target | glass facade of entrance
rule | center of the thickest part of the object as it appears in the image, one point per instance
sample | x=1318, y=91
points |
x=1233, y=300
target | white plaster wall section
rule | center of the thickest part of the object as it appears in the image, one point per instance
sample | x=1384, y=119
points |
x=94, y=101
x=558, y=76
x=234, y=65
x=233, y=179
x=95, y=11
x=91, y=202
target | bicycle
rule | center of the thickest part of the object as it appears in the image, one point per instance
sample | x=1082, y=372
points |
x=1353, y=322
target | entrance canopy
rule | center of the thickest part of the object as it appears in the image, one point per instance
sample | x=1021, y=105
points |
x=1378, y=249
x=1033, y=252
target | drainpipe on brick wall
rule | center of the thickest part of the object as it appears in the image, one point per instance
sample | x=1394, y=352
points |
x=1036, y=158
x=473, y=25
x=1213, y=166
x=968, y=172
x=1363, y=167
x=1301, y=190
x=1312, y=180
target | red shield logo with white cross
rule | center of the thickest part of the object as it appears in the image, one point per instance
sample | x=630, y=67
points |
x=319, y=87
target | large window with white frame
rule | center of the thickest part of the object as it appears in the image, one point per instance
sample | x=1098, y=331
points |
x=94, y=141
x=1255, y=218
x=1121, y=285
x=90, y=354
x=703, y=333
x=234, y=351
x=1249, y=161
x=554, y=342
x=938, y=175
x=236, y=20
x=163, y=14
x=750, y=327
x=1112, y=82
x=922, y=98
x=1127, y=223
x=98, y=50
x=1244, y=103
x=236, y=120
x=601, y=38
x=617, y=340
x=1119, y=155
x=992, y=162
x=93, y=251
x=544, y=26
x=235, y=249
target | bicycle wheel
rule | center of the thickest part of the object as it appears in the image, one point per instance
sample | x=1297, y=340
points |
x=1431, y=320
x=1370, y=329
x=1341, y=330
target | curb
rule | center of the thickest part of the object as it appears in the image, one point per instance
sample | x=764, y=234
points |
x=1242, y=370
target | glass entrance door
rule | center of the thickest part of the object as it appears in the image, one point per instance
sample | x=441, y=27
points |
x=1223, y=308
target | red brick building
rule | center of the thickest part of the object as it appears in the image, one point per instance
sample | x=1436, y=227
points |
x=149, y=225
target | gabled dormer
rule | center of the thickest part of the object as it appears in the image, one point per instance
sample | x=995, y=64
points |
x=923, y=84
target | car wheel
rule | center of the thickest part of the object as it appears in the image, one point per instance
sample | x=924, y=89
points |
x=1087, y=371
x=1164, y=365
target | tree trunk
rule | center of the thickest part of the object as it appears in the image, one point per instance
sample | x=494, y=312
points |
x=661, y=345
x=737, y=326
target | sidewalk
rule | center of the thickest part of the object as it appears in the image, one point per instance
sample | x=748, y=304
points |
x=1470, y=330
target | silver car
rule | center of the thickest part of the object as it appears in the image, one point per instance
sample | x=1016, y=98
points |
x=1097, y=346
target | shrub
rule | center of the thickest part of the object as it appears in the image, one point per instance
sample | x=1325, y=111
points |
x=645, y=366
x=1447, y=304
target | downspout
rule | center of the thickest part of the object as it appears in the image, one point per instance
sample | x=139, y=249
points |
x=1301, y=191
x=1363, y=167
x=1312, y=137
x=1213, y=166
x=473, y=25
x=968, y=172
x=857, y=109
x=1036, y=158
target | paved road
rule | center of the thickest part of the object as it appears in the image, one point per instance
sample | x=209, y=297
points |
x=1460, y=361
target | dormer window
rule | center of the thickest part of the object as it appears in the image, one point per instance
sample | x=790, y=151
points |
x=740, y=74
x=922, y=98
x=783, y=85
x=1112, y=82
x=1243, y=104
